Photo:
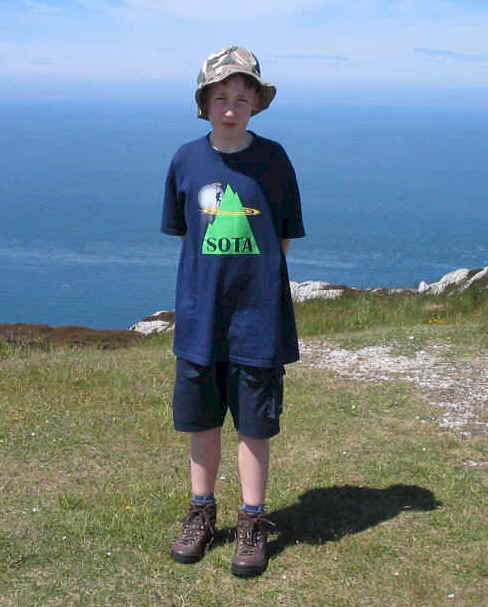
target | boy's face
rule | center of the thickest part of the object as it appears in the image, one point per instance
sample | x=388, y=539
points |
x=229, y=107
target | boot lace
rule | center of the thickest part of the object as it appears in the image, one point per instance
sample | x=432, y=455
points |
x=195, y=524
x=252, y=533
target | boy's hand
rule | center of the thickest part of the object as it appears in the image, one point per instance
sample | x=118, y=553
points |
x=285, y=244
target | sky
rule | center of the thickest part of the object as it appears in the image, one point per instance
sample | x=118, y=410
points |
x=303, y=45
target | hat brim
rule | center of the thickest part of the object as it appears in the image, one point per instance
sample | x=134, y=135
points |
x=266, y=94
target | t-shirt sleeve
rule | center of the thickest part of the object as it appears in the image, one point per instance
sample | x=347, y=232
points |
x=173, y=220
x=291, y=208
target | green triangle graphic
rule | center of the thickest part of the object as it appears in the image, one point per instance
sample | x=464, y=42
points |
x=230, y=234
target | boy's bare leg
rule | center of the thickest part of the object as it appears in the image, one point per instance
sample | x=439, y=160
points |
x=198, y=529
x=205, y=459
x=253, y=461
x=251, y=556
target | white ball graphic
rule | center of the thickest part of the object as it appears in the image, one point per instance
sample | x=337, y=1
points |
x=210, y=196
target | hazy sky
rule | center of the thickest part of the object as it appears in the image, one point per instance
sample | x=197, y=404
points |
x=321, y=43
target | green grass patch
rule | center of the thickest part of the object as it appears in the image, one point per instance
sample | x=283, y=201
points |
x=373, y=502
x=366, y=311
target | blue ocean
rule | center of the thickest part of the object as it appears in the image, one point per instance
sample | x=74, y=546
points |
x=391, y=196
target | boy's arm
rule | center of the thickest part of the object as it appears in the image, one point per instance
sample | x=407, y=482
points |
x=291, y=225
x=285, y=245
x=173, y=219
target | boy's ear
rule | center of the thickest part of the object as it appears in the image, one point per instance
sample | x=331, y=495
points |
x=256, y=102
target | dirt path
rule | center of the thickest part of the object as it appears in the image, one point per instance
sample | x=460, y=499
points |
x=459, y=386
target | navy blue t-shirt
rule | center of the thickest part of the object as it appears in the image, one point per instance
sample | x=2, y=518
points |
x=232, y=296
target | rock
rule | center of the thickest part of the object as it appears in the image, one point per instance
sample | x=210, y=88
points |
x=455, y=281
x=455, y=278
x=481, y=277
x=458, y=280
x=159, y=322
x=314, y=289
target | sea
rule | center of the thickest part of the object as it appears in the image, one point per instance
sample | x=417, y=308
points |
x=390, y=195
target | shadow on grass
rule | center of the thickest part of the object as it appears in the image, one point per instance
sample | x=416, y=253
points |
x=327, y=514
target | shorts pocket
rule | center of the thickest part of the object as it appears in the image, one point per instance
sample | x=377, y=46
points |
x=264, y=390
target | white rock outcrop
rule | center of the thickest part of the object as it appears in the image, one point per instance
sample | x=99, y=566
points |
x=159, y=322
x=314, y=289
x=459, y=280
x=479, y=276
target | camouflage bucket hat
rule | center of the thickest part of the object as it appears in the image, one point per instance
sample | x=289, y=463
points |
x=225, y=63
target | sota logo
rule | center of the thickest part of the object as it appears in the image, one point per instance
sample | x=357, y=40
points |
x=230, y=232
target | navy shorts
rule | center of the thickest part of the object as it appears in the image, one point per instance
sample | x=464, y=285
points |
x=203, y=394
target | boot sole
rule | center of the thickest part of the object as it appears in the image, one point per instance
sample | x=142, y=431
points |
x=187, y=559
x=248, y=570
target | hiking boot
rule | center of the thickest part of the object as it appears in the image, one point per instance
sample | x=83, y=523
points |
x=250, y=557
x=197, y=534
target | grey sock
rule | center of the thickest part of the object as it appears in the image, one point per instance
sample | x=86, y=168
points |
x=253, y=509
x=203, y=500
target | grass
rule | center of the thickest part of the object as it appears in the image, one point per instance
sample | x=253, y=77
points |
x=370, y=311
x=373, y=501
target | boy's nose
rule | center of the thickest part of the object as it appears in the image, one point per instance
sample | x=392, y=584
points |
x=229, y=111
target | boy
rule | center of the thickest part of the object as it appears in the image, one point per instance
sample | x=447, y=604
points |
x=232, y=197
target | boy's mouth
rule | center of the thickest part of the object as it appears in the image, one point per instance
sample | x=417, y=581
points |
x=229, y=124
